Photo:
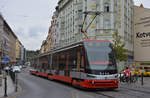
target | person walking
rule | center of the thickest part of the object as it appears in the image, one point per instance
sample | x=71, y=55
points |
x=127, y=74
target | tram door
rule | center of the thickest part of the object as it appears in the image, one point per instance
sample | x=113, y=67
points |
x=62, y=64
x=67, y=71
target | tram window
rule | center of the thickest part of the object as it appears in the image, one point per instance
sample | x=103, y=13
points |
x=78, y=61
x=43, y=65
x=73, y=60
x=81, y=67
x=48, y=66
x=54, y=63
x=62, y=62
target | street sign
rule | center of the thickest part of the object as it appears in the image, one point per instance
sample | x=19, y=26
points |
x=6, y=60
x=130, y=62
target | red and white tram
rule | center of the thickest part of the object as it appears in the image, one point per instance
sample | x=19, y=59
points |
x=88, y=64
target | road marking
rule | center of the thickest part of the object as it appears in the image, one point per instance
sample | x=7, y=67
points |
x=73, y=94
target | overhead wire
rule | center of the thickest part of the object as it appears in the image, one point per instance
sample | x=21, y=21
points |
x=25, y=16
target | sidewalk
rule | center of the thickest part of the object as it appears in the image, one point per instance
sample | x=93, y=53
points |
x=138, y=86
x=10, y=87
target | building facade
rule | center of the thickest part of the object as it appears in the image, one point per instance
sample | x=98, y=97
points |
x=12, y=52
x=1, y=38
x=50, y=37
x=10, y=46
x=7, y=41
x=4, y=38
x=19, y=52
x=115, y=16
x=142, y=37
x=43, y=47
x=98, y=18
x=56, y=36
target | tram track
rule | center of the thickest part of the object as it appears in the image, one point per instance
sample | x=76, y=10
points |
x=104, y=95
x=146, y=92
x=123, y=91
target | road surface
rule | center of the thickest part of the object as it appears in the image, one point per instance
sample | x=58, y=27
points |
x=37, y=87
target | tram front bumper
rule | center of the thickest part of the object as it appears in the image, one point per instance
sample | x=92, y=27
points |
x=100, y=84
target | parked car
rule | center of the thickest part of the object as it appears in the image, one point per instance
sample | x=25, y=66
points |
x=16, y=69
x=24, y=66
x=20, y=66
x=7, y=68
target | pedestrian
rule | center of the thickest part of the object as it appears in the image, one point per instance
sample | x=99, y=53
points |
x=127, y=74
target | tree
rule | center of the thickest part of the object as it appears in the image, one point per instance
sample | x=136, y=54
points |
x=118, y=44
x=32, y=53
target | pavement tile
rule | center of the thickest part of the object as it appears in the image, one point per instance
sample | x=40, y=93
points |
x=138, y=86
x=10, y=87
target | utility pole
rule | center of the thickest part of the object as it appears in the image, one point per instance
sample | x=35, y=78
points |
x=5, y=87
x=16, y=80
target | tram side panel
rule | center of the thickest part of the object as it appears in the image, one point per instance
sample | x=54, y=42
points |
x=66, y=64
x=70, y=66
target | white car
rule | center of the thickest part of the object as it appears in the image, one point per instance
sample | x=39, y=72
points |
x=7, y=68
x=16, y=69
x=20, y=67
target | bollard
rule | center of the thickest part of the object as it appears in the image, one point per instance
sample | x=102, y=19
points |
x=142, y=82
x=16, y=82
x=130, y=77
x=120, y=77
x=5, y=93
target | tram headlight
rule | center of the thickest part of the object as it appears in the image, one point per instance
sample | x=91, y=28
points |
x=115, y=81
x=90, y=76
x=92, y=82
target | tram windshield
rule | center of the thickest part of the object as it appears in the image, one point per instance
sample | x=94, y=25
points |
x=100, y=56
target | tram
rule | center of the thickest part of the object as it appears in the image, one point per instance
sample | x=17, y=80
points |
x=89, y=64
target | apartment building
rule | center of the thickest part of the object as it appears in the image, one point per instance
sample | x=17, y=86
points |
x=43, y=47
x=50, y=37
x=56, y=36
x=10, y=46
x=19, y=51
x=115, y=16
x=1, y=39
x=12, y=52
x=4, y=38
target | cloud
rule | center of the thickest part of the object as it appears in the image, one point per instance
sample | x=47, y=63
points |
x=30, y=19
x=146, y=3
x=32, y=37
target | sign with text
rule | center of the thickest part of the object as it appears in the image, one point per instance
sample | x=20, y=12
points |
x=141, y=34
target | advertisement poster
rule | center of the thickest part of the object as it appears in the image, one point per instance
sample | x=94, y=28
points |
x=142, y=34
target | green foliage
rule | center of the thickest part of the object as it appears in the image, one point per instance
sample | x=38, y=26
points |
x=32, y=53
x=118, y=44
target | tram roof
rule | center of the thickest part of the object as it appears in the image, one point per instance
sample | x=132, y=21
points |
x=67, y=47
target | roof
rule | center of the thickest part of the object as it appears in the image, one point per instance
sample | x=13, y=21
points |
x=141, y=6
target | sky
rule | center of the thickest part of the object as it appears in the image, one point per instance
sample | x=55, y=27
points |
x=30, y=19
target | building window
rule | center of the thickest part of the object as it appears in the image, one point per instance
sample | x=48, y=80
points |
x=125, y=36
x=106, y=24
x=106, y=7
